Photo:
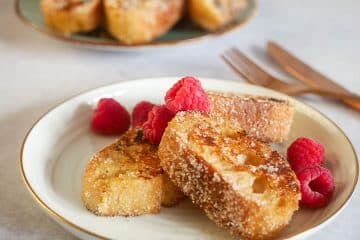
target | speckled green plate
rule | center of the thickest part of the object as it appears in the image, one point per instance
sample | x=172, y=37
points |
x=30, y=13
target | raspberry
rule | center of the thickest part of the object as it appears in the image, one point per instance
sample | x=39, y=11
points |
x=156, y=123
x=140, y=113
x=305, y=152
x=110, y=118
x=317, y=186
x=187, y=94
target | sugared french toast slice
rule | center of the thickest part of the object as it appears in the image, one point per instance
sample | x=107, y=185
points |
x=136, y=22
x=72, y=16
x=240, y=182
x=214, y=14
x=267, y=119
x=126, y=179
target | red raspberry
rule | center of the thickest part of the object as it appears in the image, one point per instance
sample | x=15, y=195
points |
x=305, y=152
x=156, y=123
x=110, y=118
x=140, y=113
x=317, y=186
x=187, y=94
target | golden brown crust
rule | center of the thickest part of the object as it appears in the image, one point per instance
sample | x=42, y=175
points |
x=240, y=183
x=214, y=14
x=72, y=16
x=171, y=194
x=126, y=179
x=135, y=22
x=267, y=119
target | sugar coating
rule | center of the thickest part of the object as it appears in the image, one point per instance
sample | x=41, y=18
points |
x=240, y=183
x=267, y=119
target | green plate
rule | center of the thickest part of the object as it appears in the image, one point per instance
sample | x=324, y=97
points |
x=29, y=12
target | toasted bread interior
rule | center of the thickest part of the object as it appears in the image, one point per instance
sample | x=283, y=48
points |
x=126, y=179
x=240, y=182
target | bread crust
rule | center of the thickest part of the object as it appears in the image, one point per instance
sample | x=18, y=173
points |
x=267, y=119
x=171, y=194
x=136, y=22
x=72, y=16
x=240, y=183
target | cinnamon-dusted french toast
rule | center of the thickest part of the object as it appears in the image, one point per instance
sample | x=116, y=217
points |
x=126, y=179
x=240, y=182
x=267, y=119
x=72, y=16
x=141, y=21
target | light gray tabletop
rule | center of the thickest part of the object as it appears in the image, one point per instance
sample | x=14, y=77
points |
x=36, y=73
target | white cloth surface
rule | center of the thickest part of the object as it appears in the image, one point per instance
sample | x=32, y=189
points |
x=37, y=72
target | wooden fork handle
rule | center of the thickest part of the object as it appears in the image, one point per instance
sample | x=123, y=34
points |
x=351, y=103
x=303, y=72
x=351, y=99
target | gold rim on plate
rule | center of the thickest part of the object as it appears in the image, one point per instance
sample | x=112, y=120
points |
x=63, y=220
x=59, y=36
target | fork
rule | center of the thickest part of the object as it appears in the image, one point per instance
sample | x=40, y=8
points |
x=254, y=74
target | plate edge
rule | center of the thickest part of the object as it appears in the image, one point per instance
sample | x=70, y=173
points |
x=53, y=213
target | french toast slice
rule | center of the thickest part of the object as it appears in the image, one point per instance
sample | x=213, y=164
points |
x=240, y=182
x=267, y=119
x=126, y=179
x=72, y=16
x=137, y=22
x=214, y=14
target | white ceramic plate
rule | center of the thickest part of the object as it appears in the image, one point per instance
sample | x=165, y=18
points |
x=57, y=148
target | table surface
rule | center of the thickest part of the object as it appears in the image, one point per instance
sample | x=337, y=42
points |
x=37, y=72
